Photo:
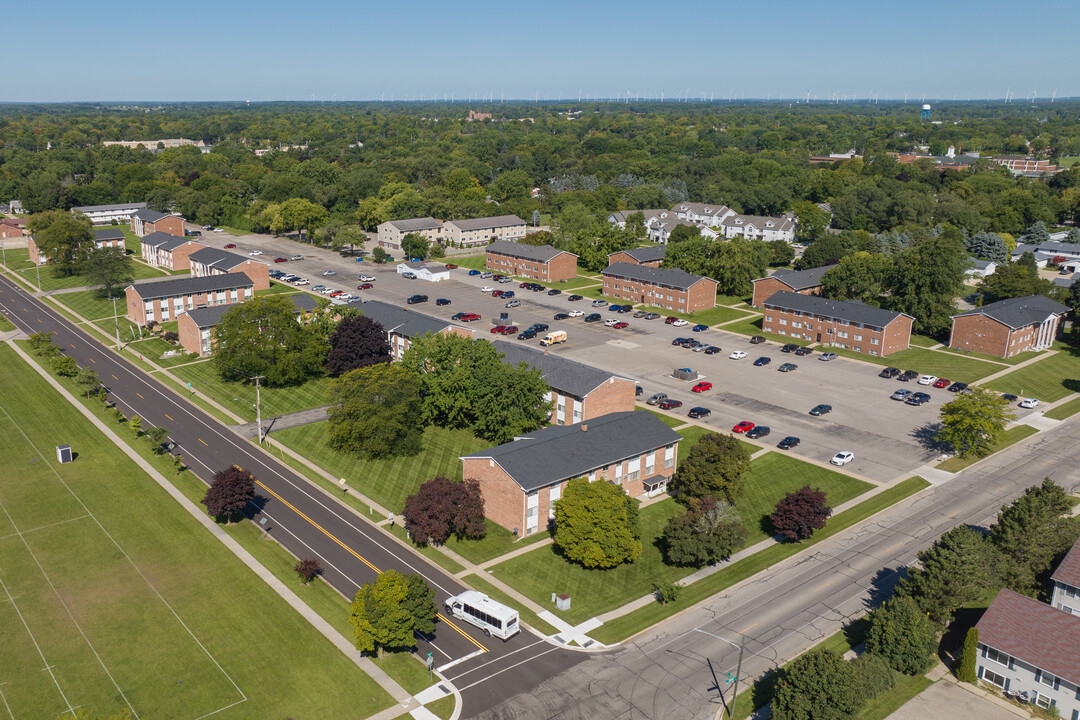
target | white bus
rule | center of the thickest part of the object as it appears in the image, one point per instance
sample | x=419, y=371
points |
x=492, y=617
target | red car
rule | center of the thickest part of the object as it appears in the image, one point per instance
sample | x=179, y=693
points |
x=523, y=285
x=469, y=317
x=281, y=259
x=942, y=382
x=498, y=329
x=496, y=293
x=337, y=292
x=509, y=330
x=451, y=266
x=701, y=387
x=743, y=427
x=669, y=404
x=230, y=246
x=364, y=286
x=621, y=325
x=670, y=320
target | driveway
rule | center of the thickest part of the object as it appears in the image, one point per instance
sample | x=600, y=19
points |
x=945, y=701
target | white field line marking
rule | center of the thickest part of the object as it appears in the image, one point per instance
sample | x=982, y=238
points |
x=44, y=527
x=452, y=663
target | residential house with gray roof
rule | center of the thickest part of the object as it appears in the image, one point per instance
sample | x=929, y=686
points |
x=1066, y=579
x=165, y=300
x=391, y=232
x=146, y=221
x=577, y=391
x=522, y=479
x=481, y=231
x=846, y=324
x=661, y=225
x=619, y=217
x=759, y=227
x=709, y=215
x=1008, y=327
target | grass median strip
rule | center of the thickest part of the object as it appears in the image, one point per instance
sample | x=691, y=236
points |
x=1012, y=435
x=1064, y=410
x=634, y=622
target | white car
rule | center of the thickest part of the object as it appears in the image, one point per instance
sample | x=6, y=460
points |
x=1029, y=403
x=487, y=289
x=328, y=273
x=218, y=230
x=576, y=313
x=610, y=322
x=371, y=278
x=324, y=290
x=253, y=253
x=302, y=281
x=842, y=458
x=680, y=322
x=737, y=355
x=927, y=379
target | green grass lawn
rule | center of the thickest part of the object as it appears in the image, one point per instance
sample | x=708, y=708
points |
x=538, y=574
x=752, y=326
x=471, y=262
x=712, y=316
x=1014, y=360
x=50, y=282
x=953, y=366
x=17, y=259
x=1012, y=435
x=164, y=610
x=6, y=325
x=730, y=300
x=89, y=305
x=669, y=420
x=1065, y=410
x=277, y=288
x=497, y=541
x=389, y=481
x=1049, y=379
x=240, y=397
x=923, y=341
x=634, y=622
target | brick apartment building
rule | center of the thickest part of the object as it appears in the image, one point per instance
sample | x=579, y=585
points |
x=1008, y=327
x=669, y=289
x=167, y=300
x=804, y=282
x=196, y=326
x=651, y=255
x=577, y=392
x=523, y=478
x=103, y=238
x=539, y=262
x=847, y=324
x=13, y=227
x=107, y=214
x=481, y=231
x=391, y=232
x=211, y=261
x=402, y=325
x=146, y=221
x=168, y=251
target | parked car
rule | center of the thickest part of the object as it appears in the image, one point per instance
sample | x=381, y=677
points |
x=486, y=274
x=575, y=298
x=842, y=458
x=442, y=301
x=451, y=266
x=654, y=399
x=599, y=303
x=743, y=427
x=1029, y=403
x=513, y=304
x=624, y=309
x=757, y=340
x=804, y=351
x=576, y=313
x=554, y=291
x=328, y=273
x=297, y=257
x=787, y=443
x=789, y=347
x=509, y=330
x=828, y=356
x=469, y=317
x=561, y=316
x=614, y=308
x=712, y=349
x=942, y=383
x=640, y=314
x=927, y=379
x=699, y=412
x=701, y=387
x=409, y=275
x=901, y=395
x=758, y=431
x=539, y=327
x=679, y=322
x=788, y=367
x=1007, y=397
x=504, y=280
x=526, y=335
x=917, y=398
x=497, y=329
x=652, y=316
x=593, y=317
x=301, y=281
x=413, y=299
x=610, y=322
x=960, y=387
x=487, y=289
x=762, y=361
x=699, y=328
x=639, y=391
x=907, y=375
x=669, y=404
x=621, y=325
x=253, y=253
x=229, y=246
x=737, y=354
x=820, y=410
x=678, y=341
x=670, y=320
x=497, y=293
x=701, y=347
x=364, y=286
x=889, y=373
x=474, y=272
x=366, y=278
x=281, y=259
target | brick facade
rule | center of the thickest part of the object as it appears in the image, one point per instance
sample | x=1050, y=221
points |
x=390, y=233
x=170, y=225
x=191, y=336
x=839, y=332
x=171, y=256
x=561, y=267
x=700, y=295
x=765, y=288
x=171, y=306
x=616, y=395
x=623, y=256
x=481, y=231
x=983, y=334
x=259, y=272
x=38, y=258
x=400, y=343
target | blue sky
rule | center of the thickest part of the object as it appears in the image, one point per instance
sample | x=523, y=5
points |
x=413, y=49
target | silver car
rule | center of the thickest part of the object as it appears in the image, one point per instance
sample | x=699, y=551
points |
x=655, y=399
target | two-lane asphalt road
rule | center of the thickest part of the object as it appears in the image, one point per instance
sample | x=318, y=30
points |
x=305, y=520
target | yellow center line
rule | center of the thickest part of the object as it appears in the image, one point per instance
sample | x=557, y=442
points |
x=894, y=546
x=167, y=415
x=819, y=587
x=93, y=361
x=203, y=442
x=114, y=377
x=140, y=395
x=72, y=346
x=358, y=556
x=740, y=632
x=952, y=515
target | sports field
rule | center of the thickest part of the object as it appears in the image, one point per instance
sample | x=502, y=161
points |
x=113, y=598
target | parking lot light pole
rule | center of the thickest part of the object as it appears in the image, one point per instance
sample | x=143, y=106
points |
x=258, y=405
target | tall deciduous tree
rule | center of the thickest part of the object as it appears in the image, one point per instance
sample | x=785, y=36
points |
x=229, y=492
x=974, y=421
x=108, y=270
x=927, y=278
x=302, y=215
x=375, y=412
x=1018, y=279
x=708, y=531
x=386, y=613
x=715, y=466
x=442, y=507
x=262, y=337
x=812, y=221
x=415, y=246
x=902, y=635
x=596, y=524
x=66, y=239
x=953, y=571
x=818, y=685
x=357, y=342
x=863, y=276
x=1032, y=532
x=800, y=513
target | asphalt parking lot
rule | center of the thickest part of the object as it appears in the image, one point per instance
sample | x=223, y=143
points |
x=885, y=435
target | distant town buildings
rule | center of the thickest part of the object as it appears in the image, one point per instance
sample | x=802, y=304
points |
x=108, y=214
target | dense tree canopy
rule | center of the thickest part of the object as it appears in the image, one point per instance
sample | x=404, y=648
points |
x=596, y=524
x=903, y=636
x=442, y=507
x=356, y=342
x=389, y=612
x=66, y=239
x=715, y=466
x=375, y=412
x=262, y=337
x=974, y=421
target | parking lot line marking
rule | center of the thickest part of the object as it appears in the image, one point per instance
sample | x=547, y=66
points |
x=743, y=631
x=93, y=361
x=114, y=377
x=952, y=515
x=203, y=442
x=825, y=585
x=140, y=395
x=167, y=415
x=71, y=345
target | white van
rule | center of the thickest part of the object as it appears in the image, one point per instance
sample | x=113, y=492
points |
x=494, y=618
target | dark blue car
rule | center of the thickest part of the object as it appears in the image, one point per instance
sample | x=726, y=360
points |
x=474, y=272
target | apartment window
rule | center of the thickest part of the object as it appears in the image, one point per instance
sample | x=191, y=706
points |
x=783, y=321
x=781, y=332
x=768, y=318
x=841, y=333
x=650, y=463
x=1047, y=679
x=796, y=324
x=857, y=337
x=809, y=326
x=993, y=678
x=875, y=341
x=997, y=656
x=633, y=469
x=873, y=352
x=669, y=297
x=669, y=456
x=1043, y=701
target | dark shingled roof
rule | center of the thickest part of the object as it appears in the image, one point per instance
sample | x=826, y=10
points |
x=649, y=253
x=559, y=452
x=799, y=279
x=217, y=258
x=679, y=279
x=210, y=316
x=1068, y=570
x=567, y=376
x=118, y=206
x=1019, y=312
x=850, y=310
x=413, y=224
x=108, y=234
x=1033, y=632
x=148, y=215
x=165, y=241
x=406, y=323
x=537, y=253
x=488, y=222
x=191, y=285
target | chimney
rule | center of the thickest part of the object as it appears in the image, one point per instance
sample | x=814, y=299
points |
x=584, y=427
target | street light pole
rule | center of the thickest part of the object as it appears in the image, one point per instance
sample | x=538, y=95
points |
x=116, y=323
x=258, y=405
x=738, y=672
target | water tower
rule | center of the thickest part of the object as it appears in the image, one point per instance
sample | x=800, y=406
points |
x=926, y=111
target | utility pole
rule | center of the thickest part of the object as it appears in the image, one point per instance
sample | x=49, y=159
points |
x=738, y=672
x=116, y=323
x=258, y=405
